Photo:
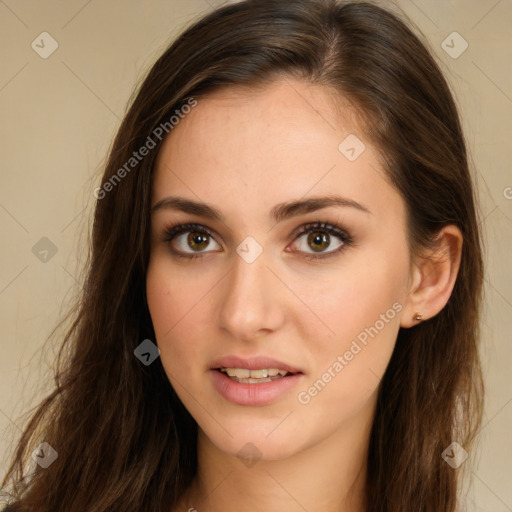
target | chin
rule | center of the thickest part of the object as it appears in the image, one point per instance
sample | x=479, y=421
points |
x=250, y=442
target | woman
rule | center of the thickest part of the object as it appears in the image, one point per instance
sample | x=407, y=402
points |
x=282, y=302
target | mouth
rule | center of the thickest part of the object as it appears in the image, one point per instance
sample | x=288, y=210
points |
x=256, y=386
x=255, y=380
x=258, y=376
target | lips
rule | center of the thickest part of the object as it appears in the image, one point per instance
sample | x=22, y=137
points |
x=254, y=394
x=253, y=363
x=254, y=391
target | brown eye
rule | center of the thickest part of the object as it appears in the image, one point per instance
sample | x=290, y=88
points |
x=321, y=240
x=318, y=241
x=198, y=241
x=190, y=240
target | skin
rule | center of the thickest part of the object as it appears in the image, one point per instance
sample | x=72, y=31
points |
x=244, y=151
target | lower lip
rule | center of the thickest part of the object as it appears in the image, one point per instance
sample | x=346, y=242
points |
x=253, y=394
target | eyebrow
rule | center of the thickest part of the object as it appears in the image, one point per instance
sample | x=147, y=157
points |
x=280, y=212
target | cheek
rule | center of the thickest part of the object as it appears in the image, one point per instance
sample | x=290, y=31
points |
x=175, y=293
x=360, y=311
x=175, y=305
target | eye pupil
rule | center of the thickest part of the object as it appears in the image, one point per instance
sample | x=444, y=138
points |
x=197, y=240
x=319, y=238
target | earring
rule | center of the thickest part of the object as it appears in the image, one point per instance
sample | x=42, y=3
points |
x=418, y=316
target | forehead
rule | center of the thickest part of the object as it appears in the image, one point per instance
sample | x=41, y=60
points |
x=249, y=149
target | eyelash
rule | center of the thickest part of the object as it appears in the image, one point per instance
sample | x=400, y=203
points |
x=324, y=227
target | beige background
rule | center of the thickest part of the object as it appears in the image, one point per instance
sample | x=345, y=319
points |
x=58, y=118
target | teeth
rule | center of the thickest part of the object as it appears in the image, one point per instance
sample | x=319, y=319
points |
x=244, y=373
x=240, y=373
x=259, y=374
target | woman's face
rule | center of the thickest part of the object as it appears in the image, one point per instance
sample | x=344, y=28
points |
x=266, y=161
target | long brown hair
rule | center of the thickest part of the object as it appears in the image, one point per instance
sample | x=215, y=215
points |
x=124, y=440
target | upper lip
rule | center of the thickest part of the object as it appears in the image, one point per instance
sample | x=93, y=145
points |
x=253, y=363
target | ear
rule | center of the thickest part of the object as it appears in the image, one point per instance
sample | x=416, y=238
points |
x=433, y=277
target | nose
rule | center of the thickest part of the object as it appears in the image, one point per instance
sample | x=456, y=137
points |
x=252, y=300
